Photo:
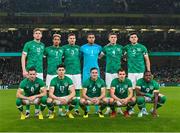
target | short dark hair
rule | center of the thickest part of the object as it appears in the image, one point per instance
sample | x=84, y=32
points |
x=121, y=70
x=133, y=33
x=112, y=33
x=90, y=33
x=93, y=68
x=32, y=69
x=37, y=29
x=60, y=66
x=71, y=34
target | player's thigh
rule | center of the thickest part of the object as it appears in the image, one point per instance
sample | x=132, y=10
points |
x=109, y=77
x=139, y=76
x=48, y=80
x=132, y=77
x=77, y=81
x=40, y=75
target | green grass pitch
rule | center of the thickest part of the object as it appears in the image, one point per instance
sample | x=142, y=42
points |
x=168, y=121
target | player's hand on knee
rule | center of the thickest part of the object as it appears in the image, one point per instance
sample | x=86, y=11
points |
x=62, y=100
x=95, y=100
x=32, y=98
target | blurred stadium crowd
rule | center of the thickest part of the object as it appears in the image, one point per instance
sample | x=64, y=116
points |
x=93, y=6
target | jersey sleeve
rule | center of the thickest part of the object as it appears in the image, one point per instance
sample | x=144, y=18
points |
x=22, y=86
x=85, y=84
x=113, y=83
x=156, y=85
x=53, y=83
x=46, y=52
x=130, y=84
x=26, y=48
x=144, y=51
x=124, y=49
x=100, y=49
x=42, y=84
x=138, y=83
x=104, y=50
x=103, y=84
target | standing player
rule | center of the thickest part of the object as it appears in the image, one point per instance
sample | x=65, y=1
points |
x=61, y=92
x=54, y=55
x=31, y=91
x=137, y=59
x=90, y=53
x=121, y=93
x=73, y=66
x=148, y=92
x=93, y=92
x=113, y=53
x=32, y=56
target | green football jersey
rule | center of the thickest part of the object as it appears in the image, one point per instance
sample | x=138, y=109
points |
x=135, y=57
x=34, y=51
x=94, y=87
x=31, y=88
x=61, y=86
x=72, y=59
x=54, y=58
x=147, y=87
x=121, y=87
x=113, y=54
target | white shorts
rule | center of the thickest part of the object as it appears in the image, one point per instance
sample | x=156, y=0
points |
x=48, y=80
x=28, y=102
x=76, y=78
x=57, y=102
x=134, y=77
x=109, y=78
x=40, y=75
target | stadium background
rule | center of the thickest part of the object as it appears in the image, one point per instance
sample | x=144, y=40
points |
x=157, y=22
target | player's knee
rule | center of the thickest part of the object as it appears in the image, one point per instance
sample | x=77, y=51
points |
x=104, y=100
x=82, y=100
x=163, y=99
x=18, y=102
x=140, y=100
x=111, y=100
x=49, y=100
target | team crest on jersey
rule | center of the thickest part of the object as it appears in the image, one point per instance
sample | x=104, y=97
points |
x=66, y=84
x=147, y=89
x=138, y=49
x=125, y=86
x=36, y=85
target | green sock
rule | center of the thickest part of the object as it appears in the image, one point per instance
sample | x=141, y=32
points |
x=77, y=99
x=27, y=107
x=19, y=104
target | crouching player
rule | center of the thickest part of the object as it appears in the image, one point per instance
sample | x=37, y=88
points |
x=93, y=92
x=121, y=93
x=61, y=92
x=31, y=91
x=147, y=91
